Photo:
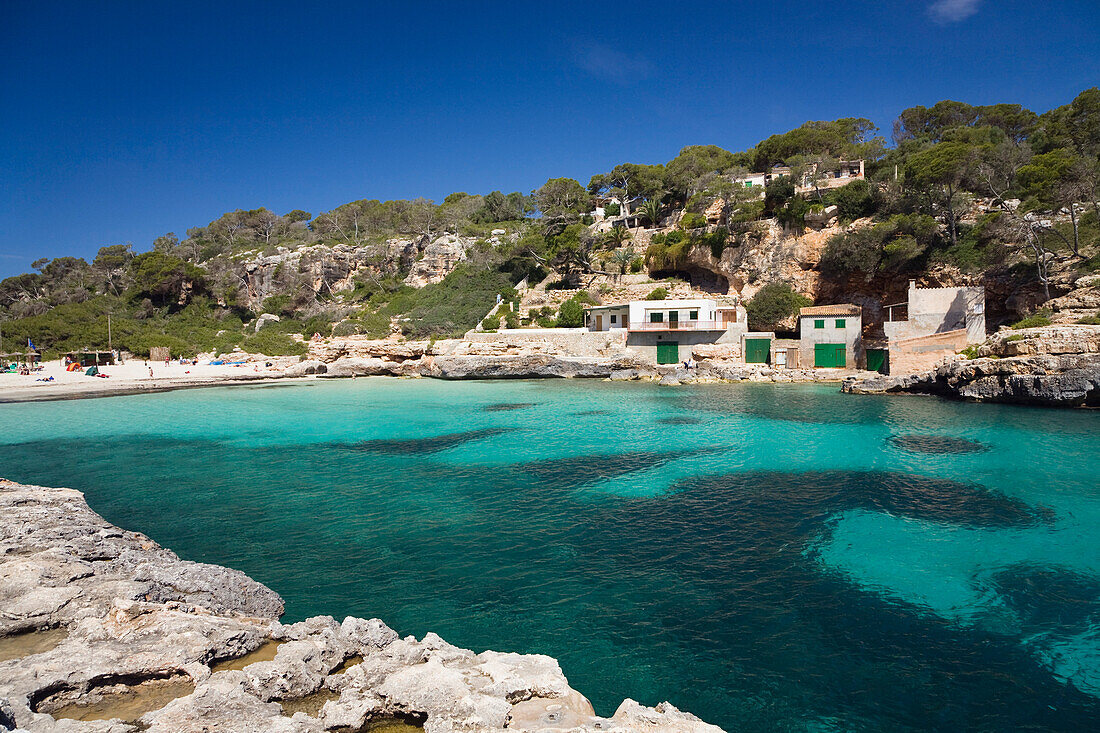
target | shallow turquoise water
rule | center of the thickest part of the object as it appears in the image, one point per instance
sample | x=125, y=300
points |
x=768, y=557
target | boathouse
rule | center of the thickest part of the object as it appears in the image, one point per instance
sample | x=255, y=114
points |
x=831, y=336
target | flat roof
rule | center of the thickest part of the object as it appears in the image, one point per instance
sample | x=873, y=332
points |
x=844, y=309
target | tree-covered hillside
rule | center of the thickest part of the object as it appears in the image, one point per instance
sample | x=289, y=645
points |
x=993, y=191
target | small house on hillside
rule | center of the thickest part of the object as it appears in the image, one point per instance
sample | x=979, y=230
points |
x=831, y=335
x=664, y=330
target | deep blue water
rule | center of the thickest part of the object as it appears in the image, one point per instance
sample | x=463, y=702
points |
x=769, y=557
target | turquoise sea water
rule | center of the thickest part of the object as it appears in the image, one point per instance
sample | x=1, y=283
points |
x=768, y=557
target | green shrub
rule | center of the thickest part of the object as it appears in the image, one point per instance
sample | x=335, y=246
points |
x=970, y=352
x=636, y=265
x=716, y=241
x=853, y=201
x=657, y=294
x=772, y=304
x=544, y=317
x=1015, y=337
x=571, y=314
x=1090, y=320
x=272, y=343
x=277, y=304
x=612, y=209
x=691, y=220
x=512, y=320
x=1039, y=318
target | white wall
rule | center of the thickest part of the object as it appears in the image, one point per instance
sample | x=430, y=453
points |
x=640, y=309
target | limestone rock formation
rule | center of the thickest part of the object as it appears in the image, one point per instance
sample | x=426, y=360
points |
x=103, y=624
x=440, y=258
x=1054, y=381
x=322, y=268
x=265, y=318
x=1055, y=366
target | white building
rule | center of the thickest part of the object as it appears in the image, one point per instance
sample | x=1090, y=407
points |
x=659, y=328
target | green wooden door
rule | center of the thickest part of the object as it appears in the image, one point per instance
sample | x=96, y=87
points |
x=829, y=355
x=757, y=351
x=876, y=360
x=668, y=352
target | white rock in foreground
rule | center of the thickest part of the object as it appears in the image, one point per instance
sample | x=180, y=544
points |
x=131, y=617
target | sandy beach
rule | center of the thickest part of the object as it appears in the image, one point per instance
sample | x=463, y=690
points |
x=131, y=377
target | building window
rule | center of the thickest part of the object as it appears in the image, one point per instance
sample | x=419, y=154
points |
x=819, y=323
x=656, y=317
x=693, y=316
x=840, y=323
x=613, y=317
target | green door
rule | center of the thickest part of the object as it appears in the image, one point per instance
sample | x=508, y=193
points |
x=668, y=352
x=757, y=351
x=876, y=360
x=829, y=355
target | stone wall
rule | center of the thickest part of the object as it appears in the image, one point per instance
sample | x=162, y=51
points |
x=922, y=353
x=566, y=341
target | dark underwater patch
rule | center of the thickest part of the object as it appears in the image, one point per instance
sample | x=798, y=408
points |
x=423, y=445
x=506, y=406
x=937, y=444
x=1050, y=598
x=579, y=470
x=588, y=413
x=822, y=494
x=735, y=546
x=679, y=420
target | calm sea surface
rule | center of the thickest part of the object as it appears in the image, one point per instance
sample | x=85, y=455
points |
x=768, y=557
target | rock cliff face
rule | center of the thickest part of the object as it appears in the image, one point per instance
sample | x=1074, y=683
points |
x=103, y=631
x=321, y=267
x=1055, y=366
x=440, y=258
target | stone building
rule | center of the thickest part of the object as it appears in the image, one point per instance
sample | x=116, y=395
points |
x=939, y=322
x=831, y=336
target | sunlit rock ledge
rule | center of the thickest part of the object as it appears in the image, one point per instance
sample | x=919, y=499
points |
x=1052, y=366
x=98, y=622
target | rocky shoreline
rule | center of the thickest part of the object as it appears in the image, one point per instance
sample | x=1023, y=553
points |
x=1052, y=366
x=104, y=631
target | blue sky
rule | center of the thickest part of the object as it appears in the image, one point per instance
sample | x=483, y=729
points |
x=121, y=121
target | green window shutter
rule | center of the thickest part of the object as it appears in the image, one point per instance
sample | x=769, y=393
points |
x=819, y=323
x=656, y=317
x=840, y=323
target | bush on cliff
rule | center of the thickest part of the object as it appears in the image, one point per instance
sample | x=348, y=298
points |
x=657, y=294
x=1035, y=320
x=773, y=304
x=854, y=201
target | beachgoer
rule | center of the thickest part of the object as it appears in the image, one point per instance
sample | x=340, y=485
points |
x=150, y=371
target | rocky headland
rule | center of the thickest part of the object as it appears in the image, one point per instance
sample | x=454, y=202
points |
x=104, y=631
x=1055, y=366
